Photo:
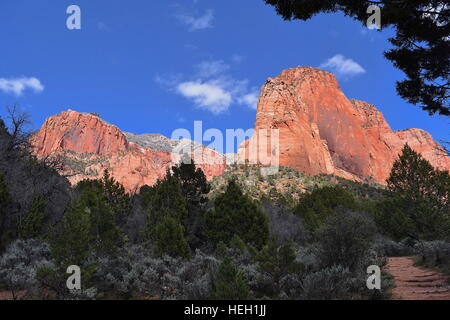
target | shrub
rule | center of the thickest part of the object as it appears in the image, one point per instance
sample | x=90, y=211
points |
x=392, y=248
x=332, y=283
x=136, y=274
x=434, y=253
x=345, y=240
x=19, y=264
x=284, y=225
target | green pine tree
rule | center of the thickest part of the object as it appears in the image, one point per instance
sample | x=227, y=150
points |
x=195, y=188
x=236, y=214
x=113, y=193
x=107, y=235
x=277, y=261
x=32, y=225
x=164, y=199
x=116, y=196
x=170, y=239
x=166, y=208
x=231, y=283
x=73, y=238
x=418, y=205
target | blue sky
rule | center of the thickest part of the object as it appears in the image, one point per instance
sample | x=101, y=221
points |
x=155, y=66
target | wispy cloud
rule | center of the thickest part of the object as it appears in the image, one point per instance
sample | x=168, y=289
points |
x=212, y=68
x=18, y=85
x=213, y=88
x=343, y=67
x=250, y=99
x=197, y=22
x=210, y=96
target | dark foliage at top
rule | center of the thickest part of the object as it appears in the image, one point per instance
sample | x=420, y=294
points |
x=422, y=49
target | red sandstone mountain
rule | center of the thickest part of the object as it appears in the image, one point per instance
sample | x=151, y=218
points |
x=321, y=131
x=89, y=145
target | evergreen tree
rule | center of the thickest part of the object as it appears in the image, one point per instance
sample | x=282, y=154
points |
x=236, y=214
x=164, y=199
x=32, y=225
x=195, y=187
x=170, y=240
x=418, y=203
x=107, y=236
x=231, y=283
x=108, y=205
x=314, y=208
x=113, y=193
x=116, y=196
x=73, y=239
x=276, y=262
x=421, y=47
x=166, y=209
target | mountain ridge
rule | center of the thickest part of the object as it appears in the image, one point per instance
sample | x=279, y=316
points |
x=320, y=131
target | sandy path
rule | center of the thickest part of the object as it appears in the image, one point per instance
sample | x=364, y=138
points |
x=414, y=283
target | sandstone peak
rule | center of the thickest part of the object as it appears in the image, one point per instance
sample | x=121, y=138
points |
x=89, y=145
x=321, y=131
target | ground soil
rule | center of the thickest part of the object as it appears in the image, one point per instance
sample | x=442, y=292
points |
x=417, y=283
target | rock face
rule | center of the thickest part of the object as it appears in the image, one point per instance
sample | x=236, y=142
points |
x=321, y=131
x=89, y=145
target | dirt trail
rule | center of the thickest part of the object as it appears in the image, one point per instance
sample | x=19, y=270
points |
x=414, y=283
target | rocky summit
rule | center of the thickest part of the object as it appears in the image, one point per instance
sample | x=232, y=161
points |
x=88, y=145
x=322, y=131
x=319, y=130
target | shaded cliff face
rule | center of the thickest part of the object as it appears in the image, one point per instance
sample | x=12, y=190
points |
x=89, y=145
x=321, y=131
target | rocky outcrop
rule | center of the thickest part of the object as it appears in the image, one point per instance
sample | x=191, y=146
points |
x=321, y=131
x=88, y=145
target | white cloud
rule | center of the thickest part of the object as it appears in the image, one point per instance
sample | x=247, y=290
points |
x=212, y=87
x=342, y=66
x=210, y=96
x=212, y=68
x=19, y=85
x=204, y=21
x=250, y=99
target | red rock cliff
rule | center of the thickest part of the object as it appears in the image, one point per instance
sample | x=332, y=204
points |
x=321, y=131
x=89, y=145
